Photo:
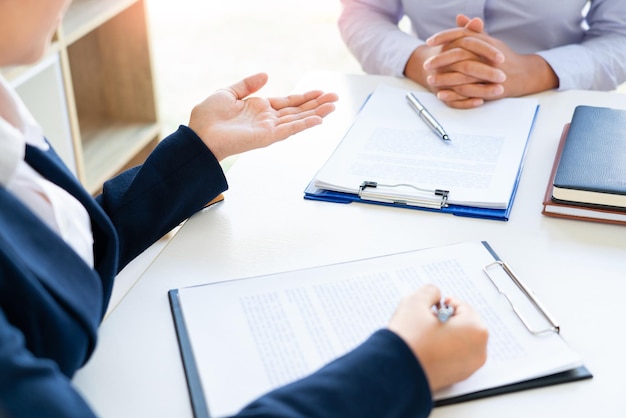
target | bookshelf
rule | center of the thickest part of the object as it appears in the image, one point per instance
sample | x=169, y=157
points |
x=94, y=92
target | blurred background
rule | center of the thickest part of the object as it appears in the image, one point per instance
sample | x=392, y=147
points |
x=199, y=46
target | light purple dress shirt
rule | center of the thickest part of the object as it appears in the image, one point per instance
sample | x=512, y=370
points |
x=584, y=44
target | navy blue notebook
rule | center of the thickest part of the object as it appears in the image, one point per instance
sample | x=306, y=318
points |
x=592, y=167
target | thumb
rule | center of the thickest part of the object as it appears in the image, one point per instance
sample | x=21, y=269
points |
x=248, y=85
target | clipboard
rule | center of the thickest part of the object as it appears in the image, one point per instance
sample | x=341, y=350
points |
x=434, y=205
x=200, y=401
x=573, y=375
x=388, y=158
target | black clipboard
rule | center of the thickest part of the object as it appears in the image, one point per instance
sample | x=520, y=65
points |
x=199, y=403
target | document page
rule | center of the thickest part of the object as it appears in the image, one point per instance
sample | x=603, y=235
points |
x=390, y=144
x=251, y=335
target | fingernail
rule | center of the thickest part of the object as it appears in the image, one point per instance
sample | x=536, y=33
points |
x=501, y=77
x=430, y=80
x=499, y=89
x=499, y=58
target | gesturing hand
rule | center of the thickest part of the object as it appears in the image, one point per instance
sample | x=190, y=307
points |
x=229, y=122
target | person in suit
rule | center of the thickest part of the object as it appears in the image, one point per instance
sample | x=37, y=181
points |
x=60, y=250
x=506, y=49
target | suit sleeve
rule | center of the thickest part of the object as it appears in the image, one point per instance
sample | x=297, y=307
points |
x=177, y=179
x=31, y=386
x=380, y=378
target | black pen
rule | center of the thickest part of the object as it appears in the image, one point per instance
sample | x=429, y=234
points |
x=427, y=117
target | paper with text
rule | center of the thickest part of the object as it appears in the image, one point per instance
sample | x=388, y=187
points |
x=388, y=143
x=251, y=335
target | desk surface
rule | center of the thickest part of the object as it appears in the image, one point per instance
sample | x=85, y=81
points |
x=265, y=226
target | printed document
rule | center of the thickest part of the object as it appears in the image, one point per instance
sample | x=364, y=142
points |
x=251, y=335
x=390, y=144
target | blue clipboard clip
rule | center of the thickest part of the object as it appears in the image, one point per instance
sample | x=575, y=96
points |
x=403, y=194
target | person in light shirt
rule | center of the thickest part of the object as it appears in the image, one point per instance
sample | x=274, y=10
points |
x=471, y=51
x=60, y=250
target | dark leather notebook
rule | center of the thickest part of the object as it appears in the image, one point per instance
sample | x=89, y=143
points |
x=592, y=167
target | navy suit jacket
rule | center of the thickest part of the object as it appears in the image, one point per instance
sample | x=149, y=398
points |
x=52, y=302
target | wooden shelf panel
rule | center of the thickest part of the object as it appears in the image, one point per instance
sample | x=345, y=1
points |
x=85, y=15
x=112, y=71
x=103, y=53
x=108, y=149
x=113, y=90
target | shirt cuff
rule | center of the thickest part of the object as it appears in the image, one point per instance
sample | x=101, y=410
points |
x=573, y=65
x=399, y=48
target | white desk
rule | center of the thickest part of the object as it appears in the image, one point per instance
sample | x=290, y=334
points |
x=576, y=268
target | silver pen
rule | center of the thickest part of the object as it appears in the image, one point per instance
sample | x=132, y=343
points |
x=445, y=312
x=427, y=117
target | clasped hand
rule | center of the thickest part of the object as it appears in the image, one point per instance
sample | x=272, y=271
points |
x=465, y=67
x=229, y=122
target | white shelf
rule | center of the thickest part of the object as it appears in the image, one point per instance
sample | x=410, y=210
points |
x=94, y=94
x=107, y=150
x=85, y=15
x=41, y=87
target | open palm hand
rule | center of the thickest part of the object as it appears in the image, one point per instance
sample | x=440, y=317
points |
x=229, y=122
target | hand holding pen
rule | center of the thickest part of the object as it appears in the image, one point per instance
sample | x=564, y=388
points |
x=448, y=352
x=444, y=311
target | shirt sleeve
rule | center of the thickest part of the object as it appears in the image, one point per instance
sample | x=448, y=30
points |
x=370, y=30
x=597, y=62
x=380, y=378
